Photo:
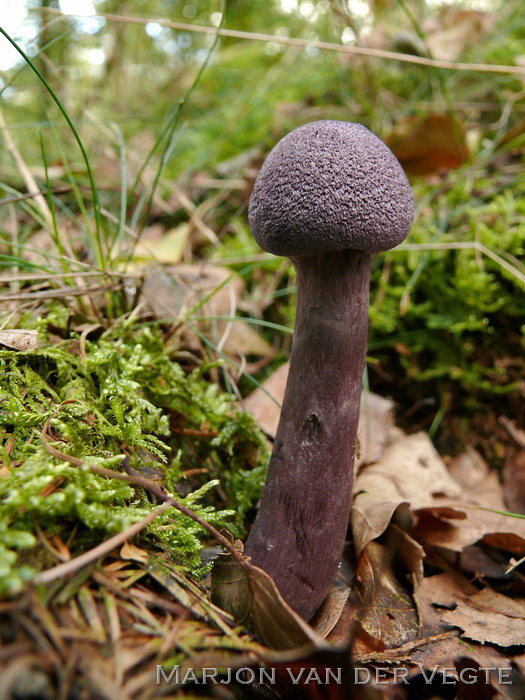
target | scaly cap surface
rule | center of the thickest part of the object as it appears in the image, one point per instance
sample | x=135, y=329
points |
x=328, y=186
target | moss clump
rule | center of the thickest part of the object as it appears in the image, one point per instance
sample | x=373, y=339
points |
x=118, y=395
x=454, y=308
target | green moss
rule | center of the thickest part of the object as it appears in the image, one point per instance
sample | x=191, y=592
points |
x=458, y=309
x=122, y=394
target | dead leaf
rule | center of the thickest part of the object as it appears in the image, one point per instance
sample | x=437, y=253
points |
x=446, y=589
x=167, y=248
x=439, y=591
x=410, y=472
x=508, y=541
x=443, y=652
x=456, y=30
x=479, y=483
x=17, y=339
x=264, y=403
x=385, y=612
x=468, y=469
x=376, y=428
x=213, y=292
x=488, y=616
x=408, y=551
x=251, y=597
x=329, y=614
x=476, y=524
x=429, y=144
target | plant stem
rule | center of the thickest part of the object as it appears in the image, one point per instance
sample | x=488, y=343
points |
x=299, y=532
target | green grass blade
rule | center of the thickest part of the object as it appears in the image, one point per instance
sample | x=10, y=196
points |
x=96, y=203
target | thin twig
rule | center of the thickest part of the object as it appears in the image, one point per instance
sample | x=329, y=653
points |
x=322, y=45
x=100, y=550
x=60, y=293
x=465, y=245
x=66, y=189
x=6, y=279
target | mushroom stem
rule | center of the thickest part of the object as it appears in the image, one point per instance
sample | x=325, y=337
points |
x=300, y=529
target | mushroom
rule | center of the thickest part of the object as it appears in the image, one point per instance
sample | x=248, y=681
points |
x=327, y=196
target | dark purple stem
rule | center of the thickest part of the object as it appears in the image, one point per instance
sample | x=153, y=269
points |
x=300, y=529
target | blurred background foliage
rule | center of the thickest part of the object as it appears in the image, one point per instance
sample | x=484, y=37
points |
x=181, y=118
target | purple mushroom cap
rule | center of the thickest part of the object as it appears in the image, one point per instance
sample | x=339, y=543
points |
x=329, y=186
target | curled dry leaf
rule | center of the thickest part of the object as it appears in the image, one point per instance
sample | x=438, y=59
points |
x=251, y=597
x=435, y=593
x=457, y=524
x=161, y=246
x=264, y=403
x=411, y=472
x=386, y=612
x=460, y=526
x=514, y=482
x=444, y=590
x=329, y=614
x=469, y=469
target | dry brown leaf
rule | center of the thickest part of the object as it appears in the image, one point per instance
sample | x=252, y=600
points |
x=173, y=290
x=376, y=428
x=479, y=483
x=167, y=248
x=375, y=420
x=482, y=562
x=488, y=616
x=508, y=541
x=409, y=552
x=385, y=611
x=439, y=591
x=445, y=589
x=459, y=525
x=411, y=472
x=17, y=339
x=264, y=403
x=331, y=610
x=429, y=144
x=241, y=340
x=443, y=652
x=475, y=524
x=469, y=469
